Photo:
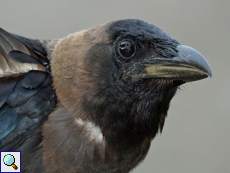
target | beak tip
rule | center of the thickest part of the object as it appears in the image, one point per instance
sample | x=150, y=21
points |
x=207, y=70
x=210, y=74
x=194, y=57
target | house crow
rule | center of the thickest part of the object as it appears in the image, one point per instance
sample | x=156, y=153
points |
x=92, y=101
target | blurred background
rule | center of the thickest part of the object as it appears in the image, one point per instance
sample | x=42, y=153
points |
x=196, y=136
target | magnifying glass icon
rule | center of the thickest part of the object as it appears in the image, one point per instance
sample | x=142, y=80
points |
x=9, y=160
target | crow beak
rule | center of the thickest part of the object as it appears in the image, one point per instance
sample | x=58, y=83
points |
x=188, y=66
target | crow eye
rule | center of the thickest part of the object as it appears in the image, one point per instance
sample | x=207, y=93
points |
x=126, y=49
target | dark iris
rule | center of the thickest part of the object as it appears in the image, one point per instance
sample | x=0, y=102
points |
x=126, y=49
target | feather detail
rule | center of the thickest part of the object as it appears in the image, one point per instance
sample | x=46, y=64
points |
x=10, y=63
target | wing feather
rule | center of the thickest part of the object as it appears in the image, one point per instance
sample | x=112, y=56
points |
x=27, y=95
x=12, y=47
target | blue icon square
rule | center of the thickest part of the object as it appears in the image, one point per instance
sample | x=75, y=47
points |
x=10, y=161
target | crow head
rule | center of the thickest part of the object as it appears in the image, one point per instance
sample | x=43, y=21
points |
x=122, y=76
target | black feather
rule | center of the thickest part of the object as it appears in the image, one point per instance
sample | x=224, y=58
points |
x=22, y=57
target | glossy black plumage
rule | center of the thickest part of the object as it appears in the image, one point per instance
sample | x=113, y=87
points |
x=26, y=98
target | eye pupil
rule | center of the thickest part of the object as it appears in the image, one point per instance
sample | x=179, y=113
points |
x=126, y=49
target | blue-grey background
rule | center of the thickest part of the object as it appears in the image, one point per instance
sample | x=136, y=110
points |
x=196, y=136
